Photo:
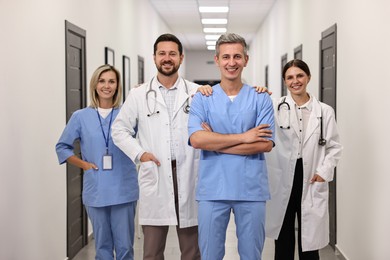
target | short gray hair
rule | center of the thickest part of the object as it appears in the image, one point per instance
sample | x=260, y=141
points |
x=230, y=38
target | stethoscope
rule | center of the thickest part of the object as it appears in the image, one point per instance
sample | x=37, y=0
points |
x=186, y=108
x=321, y=141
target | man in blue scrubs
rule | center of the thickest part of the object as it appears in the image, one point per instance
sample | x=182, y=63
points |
x=233, y=127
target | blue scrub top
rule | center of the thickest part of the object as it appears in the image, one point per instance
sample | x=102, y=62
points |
x=227, y=176
x=100, y=187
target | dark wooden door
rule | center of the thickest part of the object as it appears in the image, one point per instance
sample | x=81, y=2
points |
x=283, y=91
x=298, y=52
x=327, y=94
x=77, y=224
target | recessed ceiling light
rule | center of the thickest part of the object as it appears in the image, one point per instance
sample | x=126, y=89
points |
x=213, y=9
x=211, y=42
x=212, y=36
x=211, y=47
x=214, y=30
x=214, y=21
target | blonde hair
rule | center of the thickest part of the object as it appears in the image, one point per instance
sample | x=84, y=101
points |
x=94, y=81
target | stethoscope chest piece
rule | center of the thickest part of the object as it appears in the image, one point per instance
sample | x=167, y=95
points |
x=187, y=108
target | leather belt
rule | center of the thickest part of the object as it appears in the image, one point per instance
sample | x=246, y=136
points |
x=173, y=163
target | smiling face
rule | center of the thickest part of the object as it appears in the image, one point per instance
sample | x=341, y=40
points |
x=296, y=81
x=106, y=86
x=167, y=58
x=231, y=61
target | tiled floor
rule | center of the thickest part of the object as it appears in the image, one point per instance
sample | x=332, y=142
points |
x=172, y=251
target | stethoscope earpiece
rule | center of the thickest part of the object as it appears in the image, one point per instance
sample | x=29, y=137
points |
x=157, y=112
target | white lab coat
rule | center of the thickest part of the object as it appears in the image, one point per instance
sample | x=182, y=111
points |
x=156, y=203
x=316, y=159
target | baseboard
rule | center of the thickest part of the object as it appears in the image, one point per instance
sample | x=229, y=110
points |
x=339, y=254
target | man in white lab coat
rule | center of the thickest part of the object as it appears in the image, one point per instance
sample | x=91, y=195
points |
x=157, y=111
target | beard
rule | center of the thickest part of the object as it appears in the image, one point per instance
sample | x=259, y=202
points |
x=170, y=72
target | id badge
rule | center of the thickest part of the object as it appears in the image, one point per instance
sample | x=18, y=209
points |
x=107, y=162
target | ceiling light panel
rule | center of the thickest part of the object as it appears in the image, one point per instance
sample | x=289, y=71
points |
x=214, y=30
x=213, y=9
x=214, y=21
x=212, y=36
x=211, y=42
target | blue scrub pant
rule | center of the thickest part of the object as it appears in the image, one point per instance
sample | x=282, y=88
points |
x=213, y=219
x=113, y=229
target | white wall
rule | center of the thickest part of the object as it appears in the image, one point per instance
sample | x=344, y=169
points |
x=201, y=66
x=363, y=39
x=32, y=107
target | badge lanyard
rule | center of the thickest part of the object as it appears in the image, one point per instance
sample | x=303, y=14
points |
x=107, y=158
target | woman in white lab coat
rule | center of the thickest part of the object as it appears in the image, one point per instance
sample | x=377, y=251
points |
x=300, y=166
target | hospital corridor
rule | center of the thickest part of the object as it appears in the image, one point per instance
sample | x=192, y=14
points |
x=51, y=54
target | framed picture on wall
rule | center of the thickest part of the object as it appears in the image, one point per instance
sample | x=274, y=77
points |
x=109, y=56
x=141, y=71
x=125, y=76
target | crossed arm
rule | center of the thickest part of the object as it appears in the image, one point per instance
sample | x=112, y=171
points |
x=252, y=141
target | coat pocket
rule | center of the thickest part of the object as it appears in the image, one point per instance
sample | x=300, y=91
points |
x=319, y=195
x=148, y=177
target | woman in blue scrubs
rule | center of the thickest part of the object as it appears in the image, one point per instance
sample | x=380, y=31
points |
x=110, y=186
